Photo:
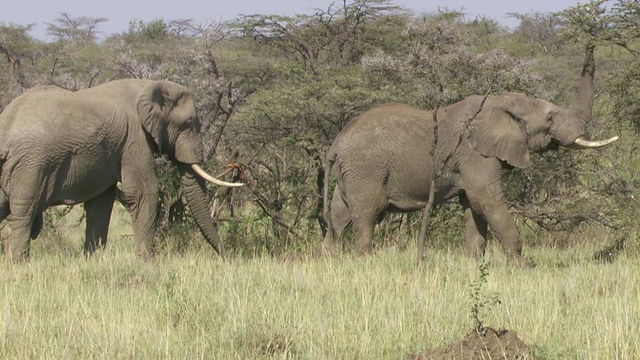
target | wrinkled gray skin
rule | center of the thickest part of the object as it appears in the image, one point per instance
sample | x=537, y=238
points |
x=62, y=147
x=382, y=162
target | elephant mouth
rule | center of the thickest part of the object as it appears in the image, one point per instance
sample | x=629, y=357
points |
x=203, y=174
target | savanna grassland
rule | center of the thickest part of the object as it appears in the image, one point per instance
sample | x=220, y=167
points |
x=382, y=306
x=272, y=93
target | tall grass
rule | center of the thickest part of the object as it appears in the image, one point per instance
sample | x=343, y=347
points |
x=381, y=306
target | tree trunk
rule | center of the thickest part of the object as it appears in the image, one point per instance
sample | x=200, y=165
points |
x=196, y=195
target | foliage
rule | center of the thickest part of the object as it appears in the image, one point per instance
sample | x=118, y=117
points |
x=19, y=50
x=589, y=20
x=333, y=37
x=481, y=303
x=273, y=91
x=539, y=31
x=75, y=29
x=440, y=63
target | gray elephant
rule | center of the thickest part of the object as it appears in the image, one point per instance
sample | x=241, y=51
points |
x=63, y=147
x=382, y=161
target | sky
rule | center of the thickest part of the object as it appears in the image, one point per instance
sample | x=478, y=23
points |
x=120, y=12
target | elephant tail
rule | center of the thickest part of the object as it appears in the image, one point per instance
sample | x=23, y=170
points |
x=330, y=159
x=4, y=152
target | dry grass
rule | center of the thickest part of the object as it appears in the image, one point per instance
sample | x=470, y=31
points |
x=381, y=306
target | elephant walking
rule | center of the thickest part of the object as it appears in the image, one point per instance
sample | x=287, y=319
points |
x=382, y=160
x=63, y=147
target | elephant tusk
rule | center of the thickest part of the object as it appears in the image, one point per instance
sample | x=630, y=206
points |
x=198, y=170
x=581, y=143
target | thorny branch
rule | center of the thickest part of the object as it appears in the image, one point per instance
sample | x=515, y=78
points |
x=426, y=212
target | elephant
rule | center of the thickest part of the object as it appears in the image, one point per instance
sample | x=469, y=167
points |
x=382, y=161
x=68, y=147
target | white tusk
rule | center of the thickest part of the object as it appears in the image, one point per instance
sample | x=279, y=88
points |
x=203, y=174
x=586, y=144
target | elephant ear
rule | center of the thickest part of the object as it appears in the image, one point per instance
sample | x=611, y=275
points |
x=499, y=133
x=151, y=112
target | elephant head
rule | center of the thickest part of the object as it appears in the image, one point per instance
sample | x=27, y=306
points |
x=512, y=125
x=167, y=113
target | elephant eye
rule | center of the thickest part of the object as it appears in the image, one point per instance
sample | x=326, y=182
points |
x=195, y=125
x=549, y=118
x=186, y=124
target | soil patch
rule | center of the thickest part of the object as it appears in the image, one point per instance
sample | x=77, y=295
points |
x=485, y=344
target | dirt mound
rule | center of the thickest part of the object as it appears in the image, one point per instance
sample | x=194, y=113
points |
x=485, y=344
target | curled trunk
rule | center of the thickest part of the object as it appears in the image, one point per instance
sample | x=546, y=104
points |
x=197, y=201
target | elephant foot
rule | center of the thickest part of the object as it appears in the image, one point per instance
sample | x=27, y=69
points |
x=20, y=259
x=19, y=247
x=20, y=256
x=325, y=250
x=474, y=252
x=96, y=253
x=521, y=262
x=144, y=253
x=365, y=250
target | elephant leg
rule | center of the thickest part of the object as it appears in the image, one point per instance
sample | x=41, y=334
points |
x=144, y=215
x=475, y=230
x=366, y=206
x=26, y=205
x=499, y=220
x=339, y=218
x=22, y=219
x=483, y=187
x=364, y=224
x=5, y=210
x=364, y=218
x=98, y=211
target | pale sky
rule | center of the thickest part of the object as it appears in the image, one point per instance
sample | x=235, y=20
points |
x=120, y=12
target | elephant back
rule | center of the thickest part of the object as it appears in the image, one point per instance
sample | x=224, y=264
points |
x=385, y=138
x=387, y=127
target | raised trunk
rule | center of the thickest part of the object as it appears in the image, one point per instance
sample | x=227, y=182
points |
x=583, y=106
x=584, y=102
x=197, y=201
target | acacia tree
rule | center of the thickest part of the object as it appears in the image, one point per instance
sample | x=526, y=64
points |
x=623, y=31
x=75, y=59
x=539, y=31
x=19, y=55
x=75, y=29
x=440, y=62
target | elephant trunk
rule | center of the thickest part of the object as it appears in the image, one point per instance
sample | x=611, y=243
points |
x=584, y=103
x=197, y=201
